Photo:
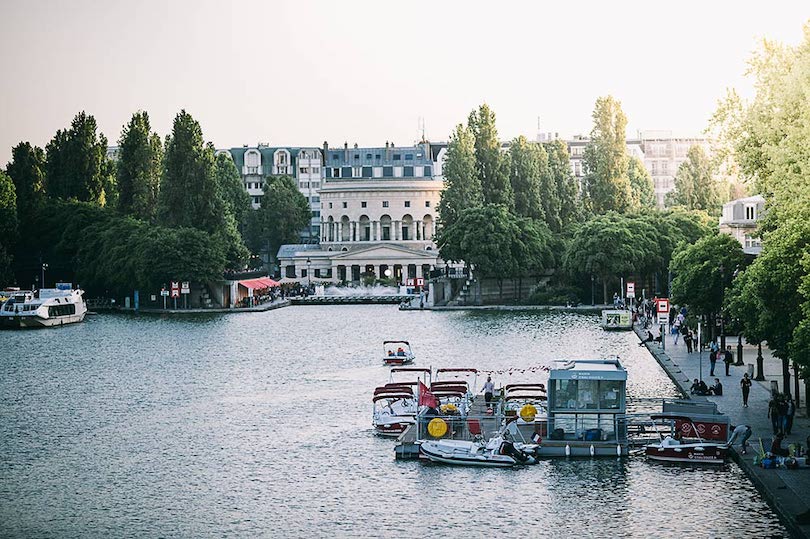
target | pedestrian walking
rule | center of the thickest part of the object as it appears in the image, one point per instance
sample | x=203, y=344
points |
x=489, y=389
x=741, y=433
x=773, y=413
x=687, y=338
x=745, y=385
x=783, y=409
x=712, y=361
x=728, y=359
x=791, y=411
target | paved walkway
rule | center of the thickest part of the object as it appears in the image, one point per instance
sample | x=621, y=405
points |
x=787, y=490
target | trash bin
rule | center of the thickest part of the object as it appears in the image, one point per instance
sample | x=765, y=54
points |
x=750, y=370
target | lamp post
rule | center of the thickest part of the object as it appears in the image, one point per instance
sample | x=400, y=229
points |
x=760, y=377
x=44, y=267
x=722, y=300
x=593, y=297
x=309, y=275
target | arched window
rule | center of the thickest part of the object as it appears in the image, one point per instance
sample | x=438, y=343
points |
x=253, y=162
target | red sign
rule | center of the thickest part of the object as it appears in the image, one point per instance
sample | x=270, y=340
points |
x=662, y=306
x=175, y=289
x=706, y=429
x=409, y=282
x=420, y=281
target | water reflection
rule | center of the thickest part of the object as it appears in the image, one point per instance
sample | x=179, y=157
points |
x=259, y=425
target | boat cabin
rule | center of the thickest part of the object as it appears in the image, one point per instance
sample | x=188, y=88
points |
x=587, y=401
x=617, y=319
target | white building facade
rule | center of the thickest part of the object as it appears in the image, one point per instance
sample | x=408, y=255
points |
x=378, y=217
x=739, y=220
x=304, y=165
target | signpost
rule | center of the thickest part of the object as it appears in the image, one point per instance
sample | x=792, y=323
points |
x=662, y=308
x=175, y=292
x=185, y=289
x=165, y=294
x=631, y=290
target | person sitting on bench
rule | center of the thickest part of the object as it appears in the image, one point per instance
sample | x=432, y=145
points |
x=649, y=338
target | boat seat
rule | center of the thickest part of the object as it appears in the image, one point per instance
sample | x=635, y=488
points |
x=474, y=427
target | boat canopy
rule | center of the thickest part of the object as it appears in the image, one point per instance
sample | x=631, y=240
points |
x=397, y=342
x=391, y=396
x=510, y=387
x=410, y=369
x=456, y=370
x=589, y=369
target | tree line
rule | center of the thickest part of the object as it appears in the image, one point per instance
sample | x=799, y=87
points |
x=162, y=210
x=517, y=211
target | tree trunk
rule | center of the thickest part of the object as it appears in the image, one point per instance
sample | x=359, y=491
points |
x=500, y=290
x=785, y=376
x=604, y=290
x=520, y=289
x=796, y=384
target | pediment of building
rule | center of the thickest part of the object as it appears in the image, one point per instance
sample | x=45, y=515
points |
x=384, y=252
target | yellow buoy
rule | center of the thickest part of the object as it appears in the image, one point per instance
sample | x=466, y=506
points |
x=528, y=413
x=437, y=427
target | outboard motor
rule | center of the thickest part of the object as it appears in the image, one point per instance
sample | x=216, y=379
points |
x=508, y=448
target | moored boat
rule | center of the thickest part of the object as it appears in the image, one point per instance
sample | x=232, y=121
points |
x=620, y=319
x=46, y=307
x=685, y=443
x=496, y=453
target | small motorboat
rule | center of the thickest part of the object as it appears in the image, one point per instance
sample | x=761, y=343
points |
x=394, y=409
x=686, y=443
x=620, y=319
x=397, y=353
x=394, y=404
x=498, y=452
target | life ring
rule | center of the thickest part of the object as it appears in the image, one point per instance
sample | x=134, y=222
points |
x=437, y=427
x=528, y=413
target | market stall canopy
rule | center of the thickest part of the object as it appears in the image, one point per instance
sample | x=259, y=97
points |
x=259, y=283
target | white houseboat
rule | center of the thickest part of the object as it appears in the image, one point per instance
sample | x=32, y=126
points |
x=46, y=307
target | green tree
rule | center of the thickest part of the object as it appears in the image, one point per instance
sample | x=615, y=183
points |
x=641, y=184
x=695, y=187
x=190, y=196
x=567, y=201
x=76, y=162
x=8, y=225
x=237, y=201
x=491, y=163
x=27, y=171
x=611, y=245
x=498, y=243
x=283, y=214
x=607, y=185
x=140, y=166
x=702, y=272
x=528, y=166
x=771, y=297
x=462, y=185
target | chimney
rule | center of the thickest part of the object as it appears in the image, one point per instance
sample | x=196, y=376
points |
x=386, y=144
x=355, y=145
x=325, y=148
x=345, y=151
x=388, y=150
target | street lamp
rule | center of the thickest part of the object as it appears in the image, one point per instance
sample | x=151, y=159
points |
x=722, y=300
x=309, y=275
x=44, y=267
x=593, y=294
x=760, y=364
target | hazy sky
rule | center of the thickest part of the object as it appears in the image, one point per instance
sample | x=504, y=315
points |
x=299, y=72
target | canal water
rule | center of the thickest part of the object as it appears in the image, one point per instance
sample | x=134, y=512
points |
x=259, y=424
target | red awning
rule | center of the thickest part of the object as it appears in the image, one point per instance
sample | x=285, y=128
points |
x=259, y=283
